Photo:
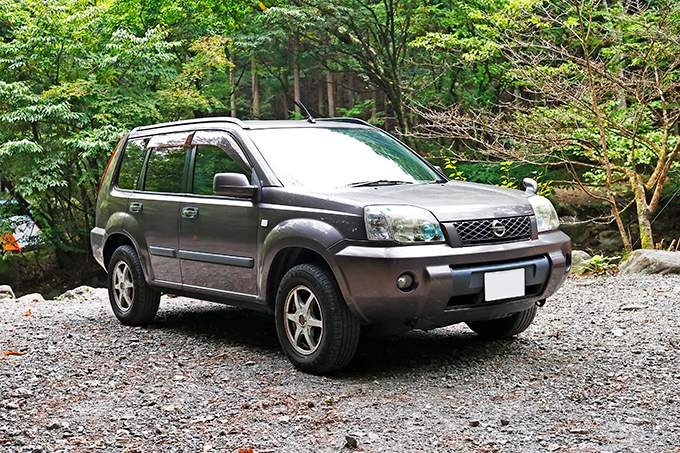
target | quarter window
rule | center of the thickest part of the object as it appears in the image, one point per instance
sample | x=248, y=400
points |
x=131, y=165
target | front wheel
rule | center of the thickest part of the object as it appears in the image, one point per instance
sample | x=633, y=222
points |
x=316, y=330
x=133, y=301
x=496, y=329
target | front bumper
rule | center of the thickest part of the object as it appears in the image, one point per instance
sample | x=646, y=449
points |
x=447, y=287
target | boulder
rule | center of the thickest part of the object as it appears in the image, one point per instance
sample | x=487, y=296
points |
x=651, y=262
x=610, y=241
x=76, y=293
x=579, y=262
x=33, y=297
x=85, y=292
x=6, y=292
x=578, y=231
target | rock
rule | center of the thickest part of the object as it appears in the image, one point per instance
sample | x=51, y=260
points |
x=578, y=231
x=52, y=295
x=75, y=293
x=351, y=442
x=635, y=421
x=651, y=262
x=505, y=421
x=22, y=393
x=33, y=297
x=474, y=423
x=633, y=307
x=579, y=261
x=6, y=292
x=610, y=241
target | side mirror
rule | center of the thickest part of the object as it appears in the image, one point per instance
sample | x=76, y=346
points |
x=531, y=186
x=233, y=185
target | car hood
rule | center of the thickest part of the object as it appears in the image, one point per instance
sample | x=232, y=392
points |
x=451, y=201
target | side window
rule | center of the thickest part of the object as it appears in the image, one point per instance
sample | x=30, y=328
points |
x=131, y=165
x=165, y=168
x=216, y=152
x=209, y=161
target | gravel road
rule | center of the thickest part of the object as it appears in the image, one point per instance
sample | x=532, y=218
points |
x=598, y=371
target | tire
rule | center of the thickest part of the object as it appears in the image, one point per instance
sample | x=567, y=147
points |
x=316, y=330
x=133, y=301
x=495, y=329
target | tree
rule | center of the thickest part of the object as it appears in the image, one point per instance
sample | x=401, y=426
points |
x=73, y=82
x=591, y=86
x=367, y=37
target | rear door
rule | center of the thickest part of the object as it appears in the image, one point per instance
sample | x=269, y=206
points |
x=218, y=235
x=154, y=207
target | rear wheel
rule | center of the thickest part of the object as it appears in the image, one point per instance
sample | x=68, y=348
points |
x=496, y=329
x=316, y=330
x=133, y=301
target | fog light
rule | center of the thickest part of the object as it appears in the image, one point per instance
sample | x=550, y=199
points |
x=405, y=282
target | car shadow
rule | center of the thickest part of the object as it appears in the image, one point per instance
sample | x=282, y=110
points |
x=377, y=356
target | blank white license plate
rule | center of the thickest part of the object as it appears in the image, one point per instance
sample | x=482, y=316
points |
x=504, y=284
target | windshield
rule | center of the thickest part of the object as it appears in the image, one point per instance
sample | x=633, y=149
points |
x=317, y=158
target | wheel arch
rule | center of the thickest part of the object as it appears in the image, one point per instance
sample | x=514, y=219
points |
x=286, y=259
x=114, y=241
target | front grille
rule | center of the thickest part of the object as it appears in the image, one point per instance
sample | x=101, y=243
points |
x=477, y=232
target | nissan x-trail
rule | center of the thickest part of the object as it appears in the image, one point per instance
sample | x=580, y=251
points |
x=327, y=224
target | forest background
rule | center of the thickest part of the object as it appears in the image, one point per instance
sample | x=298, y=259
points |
x=577, y=93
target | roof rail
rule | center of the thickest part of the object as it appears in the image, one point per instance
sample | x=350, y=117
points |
x=347, y=120
x=226, y=119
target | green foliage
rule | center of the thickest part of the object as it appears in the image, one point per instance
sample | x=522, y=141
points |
x=76, y=76
x=454, y=172
x=599, y=264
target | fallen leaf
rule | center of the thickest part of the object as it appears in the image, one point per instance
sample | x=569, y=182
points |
x=207, y=447
x=246, y=450
x=28, y=313
x=14, y=353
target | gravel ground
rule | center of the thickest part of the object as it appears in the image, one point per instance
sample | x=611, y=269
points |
x=598, y=371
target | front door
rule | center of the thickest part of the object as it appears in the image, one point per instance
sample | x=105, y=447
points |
x=218, y=235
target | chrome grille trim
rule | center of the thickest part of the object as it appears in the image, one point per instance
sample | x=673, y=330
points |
x=478, y=232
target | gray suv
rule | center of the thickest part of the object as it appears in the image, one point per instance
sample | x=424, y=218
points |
x=328, y=224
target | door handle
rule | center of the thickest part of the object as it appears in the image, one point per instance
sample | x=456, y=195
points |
x=189, y=212
x=136, y=207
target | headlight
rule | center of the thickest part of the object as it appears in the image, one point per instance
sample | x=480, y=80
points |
x=405, y=224
x=546, y=216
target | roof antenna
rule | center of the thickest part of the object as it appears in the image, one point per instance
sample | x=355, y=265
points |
x=310, y=118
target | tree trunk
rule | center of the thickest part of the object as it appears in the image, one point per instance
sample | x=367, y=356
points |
x=331, y=98
x=232, y=81
x=374, y=108
x=643, y=213
x=284, y=104
x=256, y=90
x=322, y=104
x=296, y=78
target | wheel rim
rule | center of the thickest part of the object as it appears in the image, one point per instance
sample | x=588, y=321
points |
x=303, y=320
x=123, y=287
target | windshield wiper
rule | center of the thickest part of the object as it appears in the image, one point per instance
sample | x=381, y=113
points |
x=379, y=182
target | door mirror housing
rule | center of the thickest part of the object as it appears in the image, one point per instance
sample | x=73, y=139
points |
x=233, y=185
